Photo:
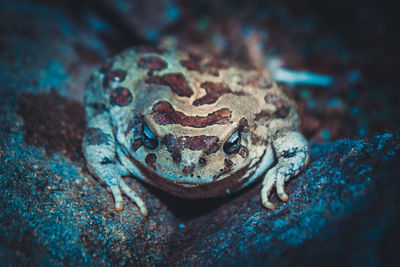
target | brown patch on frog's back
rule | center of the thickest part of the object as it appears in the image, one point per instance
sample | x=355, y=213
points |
x=164, y=113
x=190, y=64
x=114, y=76
x=120, y=96
x=152, y=63
x=214, y=91
x=175, y=81
x=214, y=66
x=207, y=144
x=151, y=160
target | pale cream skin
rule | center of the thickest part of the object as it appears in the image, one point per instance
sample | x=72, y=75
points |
x=197, y=153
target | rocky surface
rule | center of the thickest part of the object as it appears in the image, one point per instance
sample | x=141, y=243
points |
x=342, y=209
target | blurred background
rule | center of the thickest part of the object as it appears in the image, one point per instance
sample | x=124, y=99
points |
x=353, y=44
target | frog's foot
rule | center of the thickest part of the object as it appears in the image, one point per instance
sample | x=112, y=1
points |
x=100, y=154
x=291, y=151
x=116, y=185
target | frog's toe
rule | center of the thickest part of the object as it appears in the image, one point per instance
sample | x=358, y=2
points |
x=266, y=190
x=117, y=197
x=118, y=185
x=291, y=150
x=134, y=197
x=280, y=184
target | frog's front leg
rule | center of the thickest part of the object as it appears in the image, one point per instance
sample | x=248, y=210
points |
x=291, y=152
x=100, y=152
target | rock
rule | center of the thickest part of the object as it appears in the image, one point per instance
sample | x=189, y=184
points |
x=342, y=209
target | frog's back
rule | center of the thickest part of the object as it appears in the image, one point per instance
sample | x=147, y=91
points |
x=142, y=77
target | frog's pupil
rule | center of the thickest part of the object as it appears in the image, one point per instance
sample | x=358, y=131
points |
x=233, y=143
x=149, y=138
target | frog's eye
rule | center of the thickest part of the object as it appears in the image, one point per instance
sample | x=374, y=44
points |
x=149, y=139
x=233, y=143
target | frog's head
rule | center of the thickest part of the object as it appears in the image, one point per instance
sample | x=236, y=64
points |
x=189, y=145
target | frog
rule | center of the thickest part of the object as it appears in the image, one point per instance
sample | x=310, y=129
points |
x=193, y=126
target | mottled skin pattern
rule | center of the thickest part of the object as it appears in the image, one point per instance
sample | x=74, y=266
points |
x=190, y=126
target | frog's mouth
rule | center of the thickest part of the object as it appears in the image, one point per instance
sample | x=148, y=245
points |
x=220, y=187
